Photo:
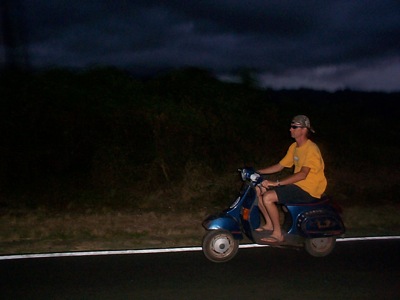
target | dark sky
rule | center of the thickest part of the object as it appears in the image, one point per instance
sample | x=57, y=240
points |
x=318, y=44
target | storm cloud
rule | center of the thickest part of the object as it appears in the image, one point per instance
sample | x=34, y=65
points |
x=287, y=44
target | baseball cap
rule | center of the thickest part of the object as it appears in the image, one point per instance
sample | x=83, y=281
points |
x=302, y=121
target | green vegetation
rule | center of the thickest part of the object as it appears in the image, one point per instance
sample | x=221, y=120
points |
x=98, y=140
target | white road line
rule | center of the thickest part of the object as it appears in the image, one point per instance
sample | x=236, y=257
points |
x=166, y=250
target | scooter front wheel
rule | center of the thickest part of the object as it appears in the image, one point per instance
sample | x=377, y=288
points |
x=320, y=247
x=219, y=246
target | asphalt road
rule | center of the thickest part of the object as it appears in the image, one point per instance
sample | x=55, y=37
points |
x=354, y=270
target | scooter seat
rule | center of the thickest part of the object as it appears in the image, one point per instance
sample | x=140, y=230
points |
x=317, y=201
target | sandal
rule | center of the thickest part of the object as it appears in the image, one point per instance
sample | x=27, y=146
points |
x=262, y=229
x=273, y=240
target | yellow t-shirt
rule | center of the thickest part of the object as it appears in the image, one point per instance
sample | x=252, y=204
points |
x=309, y=156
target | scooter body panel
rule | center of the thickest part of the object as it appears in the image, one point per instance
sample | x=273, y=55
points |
x=224, y=221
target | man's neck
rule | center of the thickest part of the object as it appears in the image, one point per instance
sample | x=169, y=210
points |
x=300, y=141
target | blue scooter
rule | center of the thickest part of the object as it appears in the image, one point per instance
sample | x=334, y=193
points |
x=313, y=226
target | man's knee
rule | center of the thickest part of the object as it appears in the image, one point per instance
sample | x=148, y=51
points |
x=270, y=197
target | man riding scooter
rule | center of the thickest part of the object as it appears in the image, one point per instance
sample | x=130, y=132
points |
x=310, y=221
x=305, y=185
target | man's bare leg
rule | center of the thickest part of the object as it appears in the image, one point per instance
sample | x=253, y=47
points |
x=268, y=223
x=269, y=200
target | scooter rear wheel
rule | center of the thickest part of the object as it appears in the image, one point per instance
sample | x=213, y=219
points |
x=219, y=246
x=320, y=247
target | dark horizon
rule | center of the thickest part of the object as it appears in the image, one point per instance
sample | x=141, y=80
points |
x=317, y=45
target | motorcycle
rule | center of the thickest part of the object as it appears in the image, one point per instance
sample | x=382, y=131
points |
x=313, y=226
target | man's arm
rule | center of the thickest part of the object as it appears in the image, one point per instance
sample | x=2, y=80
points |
x=296, y=177
x=272, y=169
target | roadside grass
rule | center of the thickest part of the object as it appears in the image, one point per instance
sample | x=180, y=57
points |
x=46, y=231
x=370, y=221
x=42, y=230
x=170, y=216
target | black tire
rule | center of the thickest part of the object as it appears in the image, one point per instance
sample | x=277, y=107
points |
x=219, y=246
x=320, y=247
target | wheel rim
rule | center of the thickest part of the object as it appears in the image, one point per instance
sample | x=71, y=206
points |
x=321, y=244
x=221, y=244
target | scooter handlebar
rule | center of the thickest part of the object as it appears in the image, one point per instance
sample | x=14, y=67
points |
x=254, y=177
x=250, y=174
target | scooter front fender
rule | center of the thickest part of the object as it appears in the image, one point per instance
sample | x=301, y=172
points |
x=223, y=221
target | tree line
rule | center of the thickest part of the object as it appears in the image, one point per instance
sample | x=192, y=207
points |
x=103, y=129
